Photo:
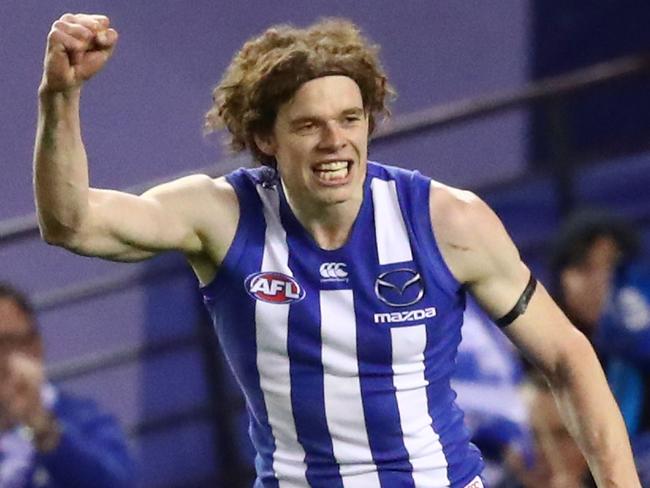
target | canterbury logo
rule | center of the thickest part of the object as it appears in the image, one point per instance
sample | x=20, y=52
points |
x=333, y=271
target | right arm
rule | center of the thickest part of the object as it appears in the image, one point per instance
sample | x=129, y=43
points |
x=481, y=255
x=105, y=223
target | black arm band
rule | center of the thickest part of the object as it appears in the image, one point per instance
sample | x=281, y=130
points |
x=521, y=305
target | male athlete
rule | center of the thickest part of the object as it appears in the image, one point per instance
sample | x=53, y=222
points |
x=336, y=285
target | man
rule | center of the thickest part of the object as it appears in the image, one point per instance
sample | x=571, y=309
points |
x=49, y=438
x=336, y=285
x=603, y=284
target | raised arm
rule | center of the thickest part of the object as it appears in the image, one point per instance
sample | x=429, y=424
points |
x=481, y=255
x=195, y=215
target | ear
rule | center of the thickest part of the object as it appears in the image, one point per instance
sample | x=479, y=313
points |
x=266, y=144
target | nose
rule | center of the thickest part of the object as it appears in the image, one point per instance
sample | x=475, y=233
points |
x=332, y=137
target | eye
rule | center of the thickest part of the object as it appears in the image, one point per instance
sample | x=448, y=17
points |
x=306, y=127
x=351, y=119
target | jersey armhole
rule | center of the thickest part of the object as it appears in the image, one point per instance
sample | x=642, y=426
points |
x=421, y=188
x=238, y=181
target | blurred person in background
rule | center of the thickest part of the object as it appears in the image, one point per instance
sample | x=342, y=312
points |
x=488, y=381
x=49, y=438
x=558, y=461
x=602, y=280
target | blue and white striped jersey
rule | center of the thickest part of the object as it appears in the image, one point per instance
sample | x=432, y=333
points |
x=345, y=355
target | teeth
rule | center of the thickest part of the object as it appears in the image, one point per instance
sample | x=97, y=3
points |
x=332, y=166
x=334, y=175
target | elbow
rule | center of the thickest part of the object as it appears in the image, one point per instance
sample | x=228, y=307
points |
x=575, y=358
x=56, y=234
x=50, y=236
x=58, y=239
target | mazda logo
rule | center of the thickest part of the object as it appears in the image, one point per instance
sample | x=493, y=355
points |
x=399, y=288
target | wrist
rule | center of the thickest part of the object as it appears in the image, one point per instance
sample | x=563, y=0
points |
x=48, y=94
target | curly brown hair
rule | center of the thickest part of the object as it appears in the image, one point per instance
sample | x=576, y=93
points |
x=269, y=69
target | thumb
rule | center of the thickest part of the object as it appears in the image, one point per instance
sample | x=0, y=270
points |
x=106, y=39
x=95, y=58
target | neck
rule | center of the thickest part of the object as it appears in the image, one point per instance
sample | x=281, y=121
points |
x=329, y=224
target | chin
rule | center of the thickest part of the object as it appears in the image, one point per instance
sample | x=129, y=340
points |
x=333, y=198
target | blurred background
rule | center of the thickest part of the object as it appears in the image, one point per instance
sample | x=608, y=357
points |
x=538, y=106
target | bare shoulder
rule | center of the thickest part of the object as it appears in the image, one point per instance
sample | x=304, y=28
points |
x=459, y=217
x=209, y=205
x=471, y=237
x=452, y=209
x=217, y=212
x=197, y=186
x=195, y=197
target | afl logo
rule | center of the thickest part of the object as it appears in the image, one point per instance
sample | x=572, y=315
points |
x=274, y=287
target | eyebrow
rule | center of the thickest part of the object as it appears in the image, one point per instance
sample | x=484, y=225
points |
x=311, y=118
x=354, y=111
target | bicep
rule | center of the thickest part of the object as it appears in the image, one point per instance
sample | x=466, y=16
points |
x=483, y=257
x=125, y=227
x=477, y=249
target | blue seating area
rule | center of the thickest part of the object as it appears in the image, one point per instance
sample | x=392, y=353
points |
x=529, y=208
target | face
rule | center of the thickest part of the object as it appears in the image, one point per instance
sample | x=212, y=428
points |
x=586, y=287
x=16, y=332
x=320, y=143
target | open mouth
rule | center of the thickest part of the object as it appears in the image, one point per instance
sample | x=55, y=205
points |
x=333, y=172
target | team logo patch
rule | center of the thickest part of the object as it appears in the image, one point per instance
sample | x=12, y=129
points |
x=333, y=272
x=274, y=287
x=399, y=288
x=406, y=316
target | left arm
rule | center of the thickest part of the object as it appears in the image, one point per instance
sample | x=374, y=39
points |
x=481, y=255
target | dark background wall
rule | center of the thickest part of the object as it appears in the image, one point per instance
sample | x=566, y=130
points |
x=571, y=34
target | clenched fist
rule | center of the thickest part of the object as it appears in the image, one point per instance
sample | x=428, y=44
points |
x=78, y=46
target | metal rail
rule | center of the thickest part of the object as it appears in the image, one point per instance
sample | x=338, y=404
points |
x=547, y=88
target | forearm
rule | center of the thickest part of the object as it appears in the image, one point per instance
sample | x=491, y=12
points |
x=593, y=418
x=60, y=165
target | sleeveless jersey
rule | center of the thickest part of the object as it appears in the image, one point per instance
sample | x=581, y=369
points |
x=345, y=356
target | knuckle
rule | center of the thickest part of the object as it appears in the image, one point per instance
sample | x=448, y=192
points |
x=54, y=36
x=67, y=17
x=84, y=32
